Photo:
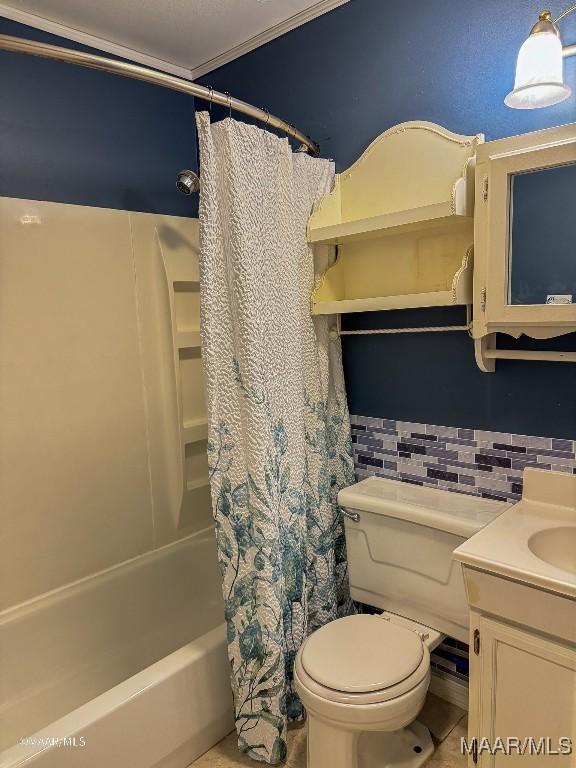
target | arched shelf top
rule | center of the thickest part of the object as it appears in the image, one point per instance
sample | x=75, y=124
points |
x=414, y=175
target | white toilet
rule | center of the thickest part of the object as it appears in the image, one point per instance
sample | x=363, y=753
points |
x=363, y=679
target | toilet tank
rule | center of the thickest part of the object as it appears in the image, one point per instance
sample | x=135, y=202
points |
x=400, y=538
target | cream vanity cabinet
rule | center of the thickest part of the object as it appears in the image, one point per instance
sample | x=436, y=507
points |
x=520, y=578
x=523, y=684
x=525, y=242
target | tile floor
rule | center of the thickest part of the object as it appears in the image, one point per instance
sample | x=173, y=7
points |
x=446, y=722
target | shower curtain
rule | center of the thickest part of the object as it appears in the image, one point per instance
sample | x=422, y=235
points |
x=279, y=438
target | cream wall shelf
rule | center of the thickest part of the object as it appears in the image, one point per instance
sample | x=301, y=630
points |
x=402, y=220
x=433, y=216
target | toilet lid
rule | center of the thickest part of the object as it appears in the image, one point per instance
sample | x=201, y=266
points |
x=362, y=653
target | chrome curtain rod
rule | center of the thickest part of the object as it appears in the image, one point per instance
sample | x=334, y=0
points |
x=154, y=76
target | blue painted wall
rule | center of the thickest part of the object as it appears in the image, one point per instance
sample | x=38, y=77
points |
x=350, y=74
x=75, y=135
x=543, y=234
x=346, y=77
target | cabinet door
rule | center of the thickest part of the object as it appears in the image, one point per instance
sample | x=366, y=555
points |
x=530, y=236
x=526, y=688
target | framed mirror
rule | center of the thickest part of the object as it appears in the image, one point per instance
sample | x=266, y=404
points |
x=525, y=244
x=542, y=236
x=525, y=234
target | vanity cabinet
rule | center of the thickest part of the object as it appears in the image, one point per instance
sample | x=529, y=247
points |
x=523, y=684
x=525, y=242
x=520, y=578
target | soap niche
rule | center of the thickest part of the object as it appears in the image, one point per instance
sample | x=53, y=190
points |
x=192, y=384
x=187, y=305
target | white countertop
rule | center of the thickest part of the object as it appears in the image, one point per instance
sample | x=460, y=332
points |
x=502, y=547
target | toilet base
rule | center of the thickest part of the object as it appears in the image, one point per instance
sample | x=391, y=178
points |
x=332, y=747
x=409, y=747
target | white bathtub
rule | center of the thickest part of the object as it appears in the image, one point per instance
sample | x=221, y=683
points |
x=125, y=669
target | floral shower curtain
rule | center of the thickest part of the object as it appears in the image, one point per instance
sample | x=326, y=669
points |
x=279, y=439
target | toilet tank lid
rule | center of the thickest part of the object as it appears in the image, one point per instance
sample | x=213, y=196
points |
x=457, y=513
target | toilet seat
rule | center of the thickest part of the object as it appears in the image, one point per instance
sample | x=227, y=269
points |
x=362, y=660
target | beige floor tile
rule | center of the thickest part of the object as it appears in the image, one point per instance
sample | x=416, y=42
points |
x=442, y=716
x=226, y=755
x=448, y=753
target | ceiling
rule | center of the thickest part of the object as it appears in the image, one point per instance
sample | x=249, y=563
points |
x=185, y=37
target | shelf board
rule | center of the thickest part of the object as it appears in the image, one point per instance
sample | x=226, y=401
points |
x=529, y=354
x=194, y=431
x=435, y=216
x=187, y=339
x=194, y=485
x=405, y=301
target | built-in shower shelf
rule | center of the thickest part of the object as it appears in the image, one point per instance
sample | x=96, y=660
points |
x=181, y=270
x=187, y=339
x=402, y=221
x=194, y=485
x=195, y=430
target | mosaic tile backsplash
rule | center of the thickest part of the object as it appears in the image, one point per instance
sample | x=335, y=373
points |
x=488, y=464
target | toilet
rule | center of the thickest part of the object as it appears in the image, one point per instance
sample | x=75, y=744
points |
x=363, y=679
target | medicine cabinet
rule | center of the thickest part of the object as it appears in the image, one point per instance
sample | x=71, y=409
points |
x=401, y=219
x=525, y=242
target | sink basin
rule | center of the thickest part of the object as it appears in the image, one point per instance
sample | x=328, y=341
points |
x=556, y=546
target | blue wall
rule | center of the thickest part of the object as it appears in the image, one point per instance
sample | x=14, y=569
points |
x=75, y=135
x=346, y=77
x=543, y=234
x=350, y=74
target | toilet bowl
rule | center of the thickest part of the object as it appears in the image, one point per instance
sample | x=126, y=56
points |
x=363, y=680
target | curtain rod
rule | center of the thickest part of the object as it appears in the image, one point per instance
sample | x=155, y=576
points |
x=154, y=76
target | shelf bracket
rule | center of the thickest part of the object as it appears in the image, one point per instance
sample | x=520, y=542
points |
x=487, y=353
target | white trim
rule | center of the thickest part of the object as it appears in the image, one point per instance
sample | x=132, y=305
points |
x=265, y=37
x=449, y=690
x=84, y=38
x=101, y=44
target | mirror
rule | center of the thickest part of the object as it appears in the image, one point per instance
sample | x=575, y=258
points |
x=542, y=236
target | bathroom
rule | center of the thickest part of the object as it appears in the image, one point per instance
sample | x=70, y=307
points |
x=283, y=510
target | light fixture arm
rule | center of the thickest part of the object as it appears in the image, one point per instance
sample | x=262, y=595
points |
x=567, y=50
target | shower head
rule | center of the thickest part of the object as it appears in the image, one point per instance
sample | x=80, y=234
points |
x=188, y=182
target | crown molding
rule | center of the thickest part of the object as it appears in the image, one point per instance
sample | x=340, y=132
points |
x=267, y=36
x=123, y=52
x=92, y=41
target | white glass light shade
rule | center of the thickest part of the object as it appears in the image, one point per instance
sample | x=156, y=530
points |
x=539, y=73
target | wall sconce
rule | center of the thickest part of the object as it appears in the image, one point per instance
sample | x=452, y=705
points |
x=539, y=68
